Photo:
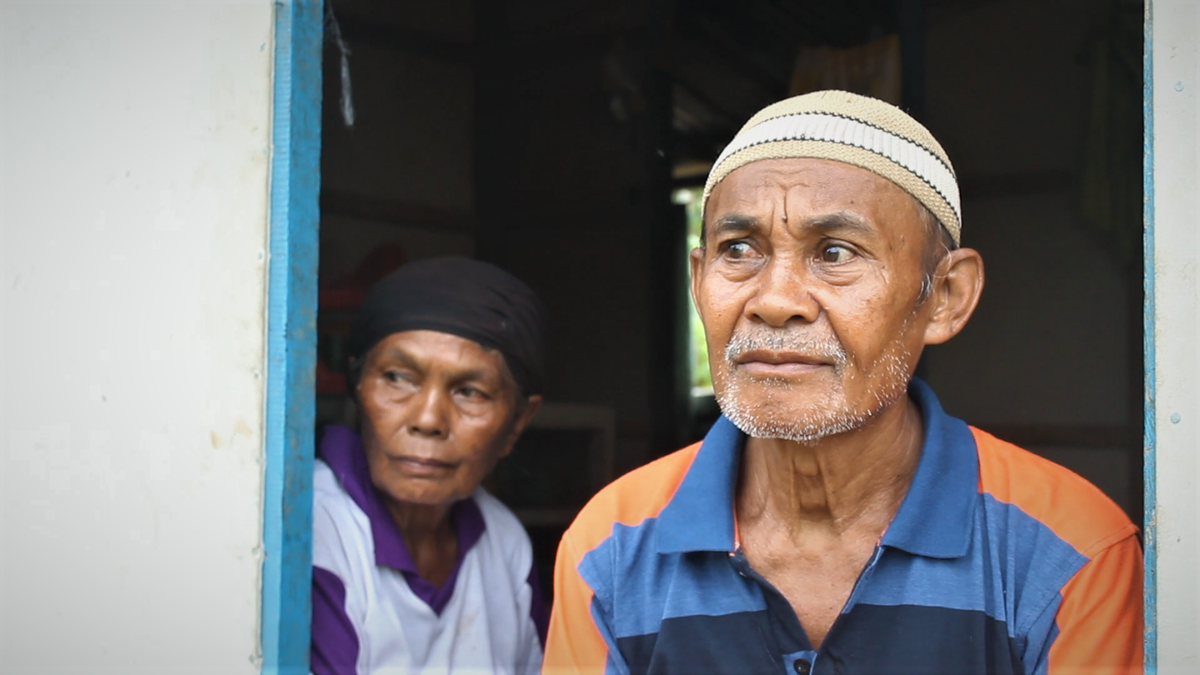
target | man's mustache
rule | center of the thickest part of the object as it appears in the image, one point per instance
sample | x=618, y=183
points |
x=794, y=339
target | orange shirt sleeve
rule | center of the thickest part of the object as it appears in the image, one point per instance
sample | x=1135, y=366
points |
x=1100, y=619
x=575, y=643
x=580, y=640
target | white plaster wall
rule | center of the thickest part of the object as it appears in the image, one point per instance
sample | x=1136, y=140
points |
x=134, y=217
x=1176, y=79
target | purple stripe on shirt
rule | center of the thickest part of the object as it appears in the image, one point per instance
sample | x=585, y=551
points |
x=537, y=605
x=334, y=642
x=341, y=448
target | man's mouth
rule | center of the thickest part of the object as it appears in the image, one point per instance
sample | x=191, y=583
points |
x=770, y=363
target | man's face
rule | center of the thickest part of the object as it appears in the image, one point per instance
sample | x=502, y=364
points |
x=438, y=413
x=808, y=286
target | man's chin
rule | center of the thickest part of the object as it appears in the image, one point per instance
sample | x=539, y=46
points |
x=790, y=397
x=808, y=430
x=804, y=414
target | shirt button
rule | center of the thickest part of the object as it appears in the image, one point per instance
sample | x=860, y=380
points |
x=802, y=666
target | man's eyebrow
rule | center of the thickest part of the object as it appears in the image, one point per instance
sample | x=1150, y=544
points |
x=735, y=222
x=841, y=220
x=826, y=223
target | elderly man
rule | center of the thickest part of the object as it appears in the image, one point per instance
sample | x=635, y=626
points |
x=416, y=568
x=835, y=520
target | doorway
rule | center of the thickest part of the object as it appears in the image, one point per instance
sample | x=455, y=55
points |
x=548, y=137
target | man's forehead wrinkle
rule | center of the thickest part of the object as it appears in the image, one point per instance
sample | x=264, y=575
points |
x=758, y=184
x=806, y=195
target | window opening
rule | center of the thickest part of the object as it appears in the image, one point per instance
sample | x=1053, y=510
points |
x=699, y=377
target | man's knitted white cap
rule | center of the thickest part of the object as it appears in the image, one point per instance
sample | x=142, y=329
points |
x=854, y=129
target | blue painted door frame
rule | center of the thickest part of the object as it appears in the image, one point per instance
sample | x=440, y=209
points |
x=291, y=336
x=1148, y=407
x=291, y=340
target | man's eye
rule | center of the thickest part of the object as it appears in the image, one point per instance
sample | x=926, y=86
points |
x=394, y=376
x=836, y=253
x=738, y=249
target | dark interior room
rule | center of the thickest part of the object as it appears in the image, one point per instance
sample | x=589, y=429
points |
x=565, y=141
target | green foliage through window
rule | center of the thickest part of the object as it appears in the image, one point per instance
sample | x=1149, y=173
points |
x=701, y=379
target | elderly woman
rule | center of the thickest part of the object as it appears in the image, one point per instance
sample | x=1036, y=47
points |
x=416, y=568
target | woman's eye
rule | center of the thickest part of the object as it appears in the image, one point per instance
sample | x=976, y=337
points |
x=836, y=253
x=472, y=393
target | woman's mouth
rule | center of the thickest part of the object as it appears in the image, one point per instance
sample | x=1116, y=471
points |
x=419, y=467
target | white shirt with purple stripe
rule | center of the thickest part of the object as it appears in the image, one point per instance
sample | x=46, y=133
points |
x=372, y=613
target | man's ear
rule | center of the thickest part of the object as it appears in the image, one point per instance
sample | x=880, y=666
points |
x=532, y=405
x=956, y=290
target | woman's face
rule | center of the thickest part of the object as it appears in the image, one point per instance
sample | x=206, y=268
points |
x=438, y=412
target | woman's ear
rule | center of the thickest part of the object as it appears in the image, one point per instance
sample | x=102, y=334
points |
x=531, y=407
x=956, y=291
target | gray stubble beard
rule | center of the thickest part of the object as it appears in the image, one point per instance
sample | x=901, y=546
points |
x=836, y=418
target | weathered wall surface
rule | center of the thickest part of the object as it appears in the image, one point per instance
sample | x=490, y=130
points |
x=1175, y=366
x=132, y=278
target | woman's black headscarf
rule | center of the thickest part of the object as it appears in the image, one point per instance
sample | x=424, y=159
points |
x=460, y=296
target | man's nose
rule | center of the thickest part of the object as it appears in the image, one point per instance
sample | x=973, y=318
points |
x=783, y=294
x=428, y=417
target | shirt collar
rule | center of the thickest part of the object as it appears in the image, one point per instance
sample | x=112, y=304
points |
x=342, y=449
x=937, y=515
x=700, y=515
x=934, y=520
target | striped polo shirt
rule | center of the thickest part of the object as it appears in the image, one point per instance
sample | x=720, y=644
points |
x=997, y=562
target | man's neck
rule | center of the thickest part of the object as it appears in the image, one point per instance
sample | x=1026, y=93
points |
x=849, y=481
